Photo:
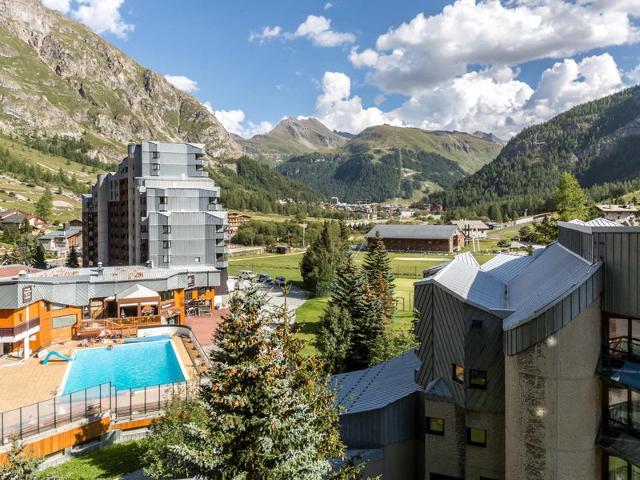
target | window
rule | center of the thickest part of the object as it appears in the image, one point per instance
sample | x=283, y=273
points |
x=166, y=258
x=166, y=244
x=166, y=295
x=478, y=379
x=166, y=229
x=163, y=200
x=196, y=259
x=64, y=321
x=143, y=229
x=476, y=324
x=435, y=426
x=212, y=200
x=457, y=373
x=155, y=155
x=477, y=437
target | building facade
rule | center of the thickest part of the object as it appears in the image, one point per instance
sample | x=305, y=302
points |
x=159, y=207
x=530, y=365
x=419, y=238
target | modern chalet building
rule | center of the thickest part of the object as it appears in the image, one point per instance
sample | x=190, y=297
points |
x=528, y=368
x=419, y=238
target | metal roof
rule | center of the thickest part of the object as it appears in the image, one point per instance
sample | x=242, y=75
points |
x=434, y=232
x=470, y=224
x=517, y=288
x=377, y=386
x=597, y=222
x=438, y=388
x=69, y=232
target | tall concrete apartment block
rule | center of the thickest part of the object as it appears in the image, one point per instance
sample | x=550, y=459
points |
x=160, y=208
x=530, y=365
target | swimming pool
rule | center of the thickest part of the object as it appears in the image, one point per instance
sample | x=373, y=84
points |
x=133, y=365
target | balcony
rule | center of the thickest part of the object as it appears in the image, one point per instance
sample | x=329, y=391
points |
x=619, y=441
x=620, y=362
x=13, y=332
x=125, y=326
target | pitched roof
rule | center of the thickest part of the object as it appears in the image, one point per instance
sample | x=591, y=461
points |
x=137, y=291
x=471, y=224
x=69, y=232
x=377, y=386
x=435, y=232
x=516, y=288
x=438, y=388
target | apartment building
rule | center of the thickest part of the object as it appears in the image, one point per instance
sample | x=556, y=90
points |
x=159, y=207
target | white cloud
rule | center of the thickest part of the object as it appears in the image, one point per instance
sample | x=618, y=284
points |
x=427, y=50
x=318, y=30
x=339, y=111
x=102, y=16
x=234, y=121
x=328, y=5
x=183, y=83
x=267, y=33
x=60, y=5
x=491, y=100
x=634, y=75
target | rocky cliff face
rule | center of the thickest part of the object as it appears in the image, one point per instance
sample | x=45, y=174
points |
x=58, y=77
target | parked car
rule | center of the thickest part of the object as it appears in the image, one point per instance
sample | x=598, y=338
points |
x=504, y=243
x=246, y=275
x=264, y=278
x=281, y=281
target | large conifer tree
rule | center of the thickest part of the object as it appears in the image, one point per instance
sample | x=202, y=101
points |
x=377, y=269
x=270, y=414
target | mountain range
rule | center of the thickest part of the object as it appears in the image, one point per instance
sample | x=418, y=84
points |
x=597, y=141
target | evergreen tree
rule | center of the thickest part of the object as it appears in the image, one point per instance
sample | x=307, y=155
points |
x=368, y=328
x=571, y=200
x=270, y=414
x=44, y=205
x=19, y=465
x=377, y=269
x=72, y=260
x=334, y=336
x=545, y=232
x=39, y=260
x=322, y=258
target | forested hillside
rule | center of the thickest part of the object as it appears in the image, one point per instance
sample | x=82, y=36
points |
x=386, y=162
x=599, y=142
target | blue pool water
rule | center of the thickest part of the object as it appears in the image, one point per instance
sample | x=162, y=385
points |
x=132, y=365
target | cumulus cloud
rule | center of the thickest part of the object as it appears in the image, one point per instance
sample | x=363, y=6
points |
x=492, y=99
x=338, y=110
x=61, y=5
x=267, y=33
x=429, y=50
x=102, y=16
x=183, y=83
x=318, y=30
x=234, y=121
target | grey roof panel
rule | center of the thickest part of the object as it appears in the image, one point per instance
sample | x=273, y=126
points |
x=377, y=386
x=436, y=232
x=438, y=388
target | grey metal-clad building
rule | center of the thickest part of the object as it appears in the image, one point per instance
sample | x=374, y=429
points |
x=529, y=332
x=159, y=207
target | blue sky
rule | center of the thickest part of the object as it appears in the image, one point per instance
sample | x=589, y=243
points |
x=465, y=64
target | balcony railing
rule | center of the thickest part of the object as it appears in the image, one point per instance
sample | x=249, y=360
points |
x=19, y=329
x=96, y=325
x=620, y=362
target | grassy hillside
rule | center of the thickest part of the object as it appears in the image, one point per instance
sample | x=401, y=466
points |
x=22, y=190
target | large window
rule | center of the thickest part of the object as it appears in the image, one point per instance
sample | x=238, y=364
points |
x=623, y=335
x=64, y=321
x=623, y=407
x=477, y=437
x=435, y=426
x=619, y=469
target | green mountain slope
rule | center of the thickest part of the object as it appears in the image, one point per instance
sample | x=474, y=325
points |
x=58, y=77
x=292, y=136
x=386, y=162
x=599, y=142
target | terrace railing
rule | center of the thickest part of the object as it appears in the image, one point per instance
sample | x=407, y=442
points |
x=89, y=405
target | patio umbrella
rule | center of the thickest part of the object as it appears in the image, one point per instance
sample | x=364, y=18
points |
x=105, y=333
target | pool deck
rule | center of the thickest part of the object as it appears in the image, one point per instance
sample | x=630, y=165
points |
x=204, y=327
x=25, y=383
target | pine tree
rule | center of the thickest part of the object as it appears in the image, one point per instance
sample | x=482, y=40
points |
x=571, y=200
x=322, y=258
x=334, y=336
x=72, y=260
x=19, y=465
x=377, y=269
x=44, y=204
x=368, y=328
x=39, y=260
x=270, y=413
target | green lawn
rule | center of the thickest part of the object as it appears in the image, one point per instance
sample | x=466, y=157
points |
x=107, y=463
